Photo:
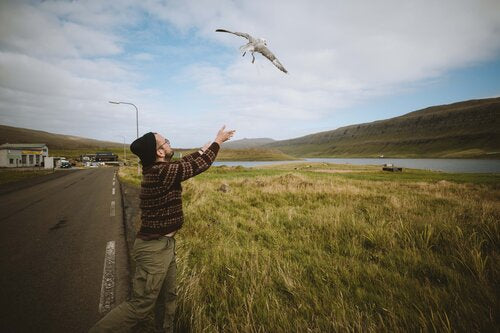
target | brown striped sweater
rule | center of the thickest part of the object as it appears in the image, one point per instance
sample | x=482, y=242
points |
x=161, y=192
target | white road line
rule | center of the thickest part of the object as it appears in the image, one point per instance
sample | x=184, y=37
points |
x=113, y=191
x=108, y=279
x=113, y=183
x=112, y=209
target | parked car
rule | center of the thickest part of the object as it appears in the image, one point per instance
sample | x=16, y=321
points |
x=65, y=164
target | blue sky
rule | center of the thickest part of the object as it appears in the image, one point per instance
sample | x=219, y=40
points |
x=348, y=62
x=475, y=82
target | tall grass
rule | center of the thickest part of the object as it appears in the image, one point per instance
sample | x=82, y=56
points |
x=304, y=251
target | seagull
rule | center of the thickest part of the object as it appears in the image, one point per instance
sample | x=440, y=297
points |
x=256, y=45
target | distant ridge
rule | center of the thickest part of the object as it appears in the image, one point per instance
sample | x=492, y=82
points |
x=463, y=129
x=459, y=130
x=10, y=134
x=247, y=143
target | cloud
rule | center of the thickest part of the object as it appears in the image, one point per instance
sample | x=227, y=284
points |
x=382, y=42
x=338, y=53
x=40, y=95
x=95, y=14
x=143, y=56
x=56, y=70
x=60, y=62
x=27, y=29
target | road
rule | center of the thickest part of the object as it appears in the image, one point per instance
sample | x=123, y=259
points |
x=53, y=241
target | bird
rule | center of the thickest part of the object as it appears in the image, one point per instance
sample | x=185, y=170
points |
x=256, y=45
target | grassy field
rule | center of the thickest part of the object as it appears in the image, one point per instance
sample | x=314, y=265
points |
x=323, y=247
x=13, y=175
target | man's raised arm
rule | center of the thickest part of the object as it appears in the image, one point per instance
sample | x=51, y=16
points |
x=182, y=170
x=196, y=154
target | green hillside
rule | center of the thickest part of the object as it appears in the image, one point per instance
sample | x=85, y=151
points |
x=72, y=146
x=248, y=154
x=10, y=134
x=464, y=129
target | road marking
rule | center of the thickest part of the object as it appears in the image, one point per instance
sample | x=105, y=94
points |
x=108, y=280
x=113, y=183
x=113, y=191
x=112, y=209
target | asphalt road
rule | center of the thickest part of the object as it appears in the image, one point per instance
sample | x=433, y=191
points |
x=53, y=241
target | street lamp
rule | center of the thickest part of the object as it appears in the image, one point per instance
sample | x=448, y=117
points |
x=136, y=124
x=136, y=114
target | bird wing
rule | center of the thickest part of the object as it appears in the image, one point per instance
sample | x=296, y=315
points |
x=241, y=34
x=269, y=55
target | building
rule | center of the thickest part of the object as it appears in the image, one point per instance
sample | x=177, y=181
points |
x=14, y=155
x=105, y=156
x=87, y=158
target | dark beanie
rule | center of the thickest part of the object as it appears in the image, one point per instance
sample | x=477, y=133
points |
x=145, y=148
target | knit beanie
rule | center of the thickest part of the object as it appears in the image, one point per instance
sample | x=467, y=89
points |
x=145, y=148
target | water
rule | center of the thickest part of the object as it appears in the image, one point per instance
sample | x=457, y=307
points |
x=446, y=165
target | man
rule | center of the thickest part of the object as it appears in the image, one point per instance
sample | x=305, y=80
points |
x=154, y=286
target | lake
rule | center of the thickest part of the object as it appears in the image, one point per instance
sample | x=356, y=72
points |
x=435, y=164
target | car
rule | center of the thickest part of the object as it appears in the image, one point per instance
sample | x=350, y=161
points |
x=65, y=165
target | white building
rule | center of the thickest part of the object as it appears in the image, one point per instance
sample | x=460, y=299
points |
x=23, y=154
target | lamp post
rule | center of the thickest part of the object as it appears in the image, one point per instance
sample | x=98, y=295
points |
x=136, y=124
x=136, y=114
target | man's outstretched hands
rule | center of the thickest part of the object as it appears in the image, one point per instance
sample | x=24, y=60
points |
x=223, y=135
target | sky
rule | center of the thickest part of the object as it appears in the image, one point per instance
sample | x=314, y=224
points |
x=349, y=62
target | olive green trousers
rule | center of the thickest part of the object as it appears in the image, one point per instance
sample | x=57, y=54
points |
x=154, y=289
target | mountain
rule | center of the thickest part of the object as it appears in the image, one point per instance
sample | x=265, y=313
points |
x=10, y=134
x=247, y=143
x=463, y=129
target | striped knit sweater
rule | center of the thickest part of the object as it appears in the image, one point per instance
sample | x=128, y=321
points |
x=161, y=192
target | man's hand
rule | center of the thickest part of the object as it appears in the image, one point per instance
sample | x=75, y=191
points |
x=223, y=135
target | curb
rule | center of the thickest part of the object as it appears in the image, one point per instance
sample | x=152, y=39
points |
x=127, y=236
x=129, y=213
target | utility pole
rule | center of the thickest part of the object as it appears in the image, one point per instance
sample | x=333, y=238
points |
x=136, y=125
